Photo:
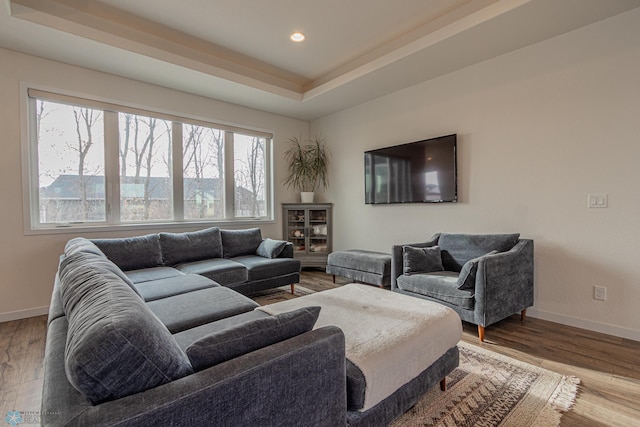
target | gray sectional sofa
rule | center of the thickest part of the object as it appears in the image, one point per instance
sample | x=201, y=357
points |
x=133, y=342
x=483, y=277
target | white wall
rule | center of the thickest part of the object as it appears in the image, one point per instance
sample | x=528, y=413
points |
x=28, y=263
x=538, y=129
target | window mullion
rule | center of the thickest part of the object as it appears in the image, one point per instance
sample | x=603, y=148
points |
x=34, y=187
x=112, y=166
x=229, y=179
x=177, y=171
x=268, y=176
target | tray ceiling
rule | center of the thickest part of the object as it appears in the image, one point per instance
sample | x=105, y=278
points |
x=239, y=50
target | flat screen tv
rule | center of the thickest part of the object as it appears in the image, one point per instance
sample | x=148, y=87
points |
x=417, y=172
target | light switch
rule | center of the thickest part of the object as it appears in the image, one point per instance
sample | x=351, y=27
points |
x=597, y=200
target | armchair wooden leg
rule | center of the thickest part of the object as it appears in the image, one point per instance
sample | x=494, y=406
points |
x=523, y=315
x=293, y=285
x=481, y=333
x=334, y=278
x=443, y=384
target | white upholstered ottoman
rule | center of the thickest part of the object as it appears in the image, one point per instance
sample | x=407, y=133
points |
x=391, y=338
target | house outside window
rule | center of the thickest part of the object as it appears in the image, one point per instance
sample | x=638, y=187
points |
x=95, y=164
x=203, y=171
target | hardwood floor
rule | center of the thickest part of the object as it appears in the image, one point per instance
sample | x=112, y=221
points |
x=608, y=367
x=21, y=355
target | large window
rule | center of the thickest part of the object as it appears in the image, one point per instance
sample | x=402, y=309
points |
x=70, y=175
x=203, y=171
x=249, y=166
x=92, y=163
x=145, y=168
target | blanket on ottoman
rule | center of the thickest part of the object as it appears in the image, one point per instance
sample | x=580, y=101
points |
x=390, y=337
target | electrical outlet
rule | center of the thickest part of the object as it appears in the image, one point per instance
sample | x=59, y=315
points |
x=600, y=293
x=597, y=200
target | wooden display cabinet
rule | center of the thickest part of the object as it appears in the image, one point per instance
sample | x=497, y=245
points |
x=308, y=226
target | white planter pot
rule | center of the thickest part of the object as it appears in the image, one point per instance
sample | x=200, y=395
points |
x=306, y=196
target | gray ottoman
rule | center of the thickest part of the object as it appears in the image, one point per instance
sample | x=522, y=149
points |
x=360, y=265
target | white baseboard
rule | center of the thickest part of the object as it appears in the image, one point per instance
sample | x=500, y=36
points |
x=23, y=314
x=585, y=324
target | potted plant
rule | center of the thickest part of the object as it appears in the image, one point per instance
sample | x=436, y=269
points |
x=308, y=164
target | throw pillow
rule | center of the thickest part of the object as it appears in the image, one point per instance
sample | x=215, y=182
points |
x=132, y=253
x=250, y=336
x=270, y=248
x=459, y=248
x=421, y=260
x=240, y=242
x=178, y=248
x=467, y=277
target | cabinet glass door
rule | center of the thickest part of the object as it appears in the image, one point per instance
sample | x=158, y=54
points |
x=308, y=226
x=296, y=229
x=318, y=234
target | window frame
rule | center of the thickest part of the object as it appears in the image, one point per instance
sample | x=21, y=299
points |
x=30, y=166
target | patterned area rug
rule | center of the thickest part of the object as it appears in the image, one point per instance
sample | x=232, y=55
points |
x=489, y=389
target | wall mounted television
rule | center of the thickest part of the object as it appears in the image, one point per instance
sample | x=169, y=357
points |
x=417, y=172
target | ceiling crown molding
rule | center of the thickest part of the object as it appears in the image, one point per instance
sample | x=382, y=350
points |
x=111, y=26
x=447, y=36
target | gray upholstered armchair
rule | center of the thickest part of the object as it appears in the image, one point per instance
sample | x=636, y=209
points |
x=484, y=278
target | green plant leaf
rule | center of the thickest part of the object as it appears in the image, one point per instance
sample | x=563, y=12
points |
x=308, y=164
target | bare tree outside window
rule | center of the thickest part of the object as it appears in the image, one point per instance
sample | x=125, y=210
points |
x=249, y=175
x=70, y=143
x=145, y=168
x=85, y=119
x=203, y=169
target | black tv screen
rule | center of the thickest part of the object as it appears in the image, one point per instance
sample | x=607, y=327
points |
x=418, y=172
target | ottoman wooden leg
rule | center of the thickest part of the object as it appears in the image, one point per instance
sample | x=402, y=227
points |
x=523, y=315
x=481, y=333
x=292, y=288
x=334, y=278
x=443, y=384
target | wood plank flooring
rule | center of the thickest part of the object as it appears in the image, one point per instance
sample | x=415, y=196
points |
x=608, y=367
x=21, y=356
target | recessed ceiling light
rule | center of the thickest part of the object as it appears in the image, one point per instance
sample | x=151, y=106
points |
x=297, y=37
